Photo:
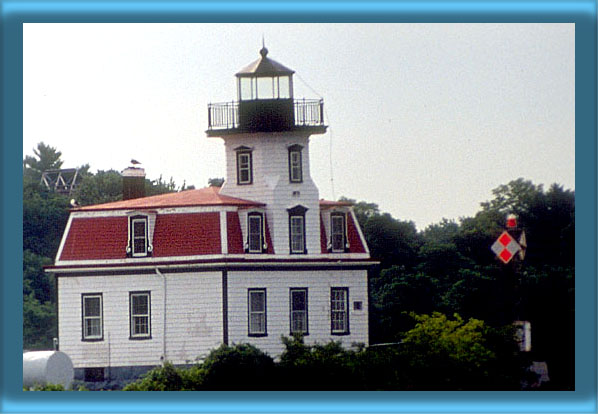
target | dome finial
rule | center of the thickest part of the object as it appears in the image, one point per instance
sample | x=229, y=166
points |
x=263, y=51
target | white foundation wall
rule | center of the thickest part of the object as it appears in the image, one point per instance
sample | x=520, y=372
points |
x=271, y=185
x=193, y=319
x=277, y=285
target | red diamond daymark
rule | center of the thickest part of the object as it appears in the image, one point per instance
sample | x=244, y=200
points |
x=505, y=255
x=505, y=239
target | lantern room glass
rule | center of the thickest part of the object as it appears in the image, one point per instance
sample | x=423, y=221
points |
x=265, y=87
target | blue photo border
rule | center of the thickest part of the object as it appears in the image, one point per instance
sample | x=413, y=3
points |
x=15, y=13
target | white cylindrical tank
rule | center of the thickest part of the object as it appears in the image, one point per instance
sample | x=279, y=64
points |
x=47, y=367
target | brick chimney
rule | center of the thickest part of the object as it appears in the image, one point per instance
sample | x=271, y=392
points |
x=133, y=183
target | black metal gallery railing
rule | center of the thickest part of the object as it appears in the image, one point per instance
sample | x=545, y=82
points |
x=224, y=115
x=252, y=115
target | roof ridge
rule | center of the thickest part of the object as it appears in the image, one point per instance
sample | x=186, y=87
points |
x=186, y=198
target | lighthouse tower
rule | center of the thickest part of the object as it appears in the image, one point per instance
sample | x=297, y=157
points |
x=266, y=135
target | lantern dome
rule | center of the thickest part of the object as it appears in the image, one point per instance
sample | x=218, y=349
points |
x=264, y=66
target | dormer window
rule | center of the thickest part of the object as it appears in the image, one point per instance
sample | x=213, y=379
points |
x=139, y=242
x=139, y=245
x=255, y=233
x=295, y=164
x=337, y=232
x=244, y=166
x=297, y=230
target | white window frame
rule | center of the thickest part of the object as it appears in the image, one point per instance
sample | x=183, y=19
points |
x=301, y=313
x=85, y=317
x=260, y=218
x=135, y=316
x=143, y=220
x=262, y=314
x=297, y=222
x=339, y=311
x=295, y=164
x=334, y=233
x=244, y=166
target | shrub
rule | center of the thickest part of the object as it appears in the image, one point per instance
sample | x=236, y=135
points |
x=318, y=367
x=240, y=367
x=45, y=387
x=164, y=378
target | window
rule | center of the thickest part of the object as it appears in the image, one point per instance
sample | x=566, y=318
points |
x=138, y=234
x=92, y=317
x=275, y=87
x=297, y=230
x=257, y=312
x=297, y=234
x=339, y=311
x=295, y=164
x=265, y=88
x=140, y=315
x=255, y=238
x=337, y=232
x=299, y=311
x=244, y=169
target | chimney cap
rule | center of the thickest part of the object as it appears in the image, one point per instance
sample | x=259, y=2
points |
x=133, y=172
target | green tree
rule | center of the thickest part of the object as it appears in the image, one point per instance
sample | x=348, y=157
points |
x=39, y=323
x=394, y=294
x=44, y=217
x=548, y=219
x=216, y=182
x=35, y=280
x=392, y=241
x=46, y=158
x=159, y=186
x=102, y=187
x=363, y=210
x=452, y=354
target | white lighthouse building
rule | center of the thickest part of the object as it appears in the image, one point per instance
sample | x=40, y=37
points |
x=171, y=277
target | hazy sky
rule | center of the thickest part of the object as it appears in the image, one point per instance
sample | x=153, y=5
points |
x=424, y=119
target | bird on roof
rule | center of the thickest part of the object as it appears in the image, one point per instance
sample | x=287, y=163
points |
x=74, y=203
x=135, y=162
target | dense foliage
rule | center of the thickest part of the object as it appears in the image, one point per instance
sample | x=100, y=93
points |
x=242, y=367
x=446, y=269
x=449, y=268
x=437, y=354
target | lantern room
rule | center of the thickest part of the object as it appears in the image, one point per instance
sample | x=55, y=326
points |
x=265, y=103
x=265, y=79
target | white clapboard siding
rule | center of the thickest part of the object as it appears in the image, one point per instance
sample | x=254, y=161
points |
x=193, y=319
x=271, y=185
x=277, y=285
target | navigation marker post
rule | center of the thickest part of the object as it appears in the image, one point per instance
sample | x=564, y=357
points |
x=505, y=247
x=510, y=243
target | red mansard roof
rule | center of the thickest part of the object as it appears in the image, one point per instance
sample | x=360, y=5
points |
x=233, y=230
x=187, y=234
x=323, y=242
x=355, y=244
x=96, y=238
x=183, y=234
x=209, y=196
x=101, y=238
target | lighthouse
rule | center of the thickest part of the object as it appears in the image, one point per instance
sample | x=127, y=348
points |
x=266, y=135
x=173, y=276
